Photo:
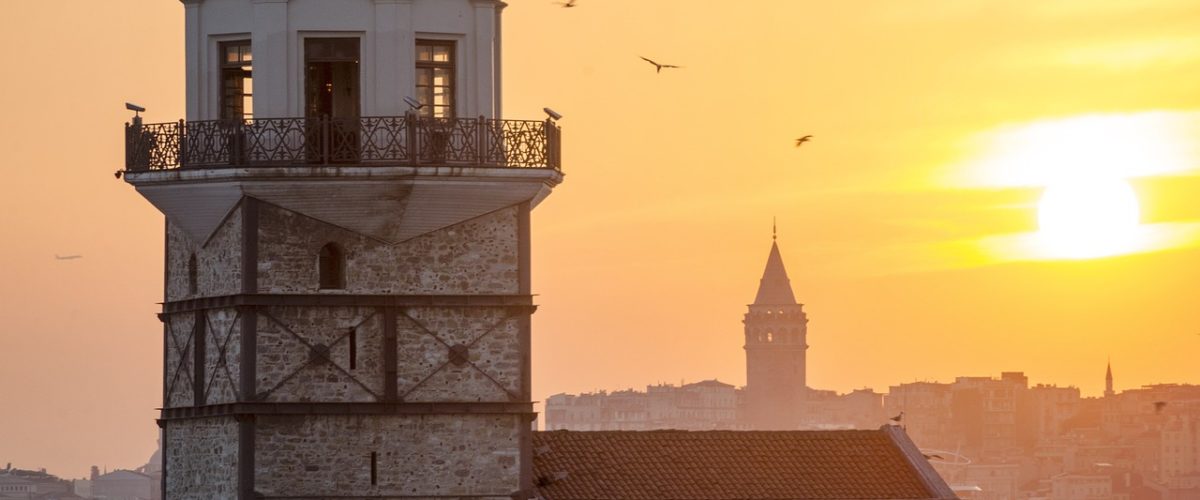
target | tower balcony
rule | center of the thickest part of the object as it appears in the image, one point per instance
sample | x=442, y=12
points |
x=409, y=140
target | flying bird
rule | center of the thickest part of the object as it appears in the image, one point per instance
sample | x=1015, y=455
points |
x=930, y=457
x=802, y=140
x=1159, y=405
x=659, y=67
x=897, y=418
x=67, y=257
x=567, y=4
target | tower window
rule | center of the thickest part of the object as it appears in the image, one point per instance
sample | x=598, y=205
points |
x=192, y=273
x=237, y=82
x=332, y=267
x=435, y=78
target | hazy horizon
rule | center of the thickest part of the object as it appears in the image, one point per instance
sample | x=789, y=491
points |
x=906, y=223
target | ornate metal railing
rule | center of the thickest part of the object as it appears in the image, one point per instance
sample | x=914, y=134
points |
x=402, y=140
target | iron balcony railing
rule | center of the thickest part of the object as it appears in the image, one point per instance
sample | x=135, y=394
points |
x=403, y=140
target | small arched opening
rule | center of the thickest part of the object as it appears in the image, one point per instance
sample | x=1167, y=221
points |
x=192, y=274
x=331, y=267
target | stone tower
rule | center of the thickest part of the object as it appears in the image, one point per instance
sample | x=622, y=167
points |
x=776, y=341
x=347, y=293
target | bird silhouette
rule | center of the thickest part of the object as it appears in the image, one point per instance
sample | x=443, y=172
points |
x=117, y=174
x=802, y=140
x=659, y=67
x=930, y=457
x=897, y=418
x=67, y=257
x=567, y=4
x=1159, y=405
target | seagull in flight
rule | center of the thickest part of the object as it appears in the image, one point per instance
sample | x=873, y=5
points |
x=931, y=457
x=567, y=4
x=659, y=67
x=67, y=257
x=803, y=140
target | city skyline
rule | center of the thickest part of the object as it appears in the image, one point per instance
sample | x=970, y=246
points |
x=897, y=243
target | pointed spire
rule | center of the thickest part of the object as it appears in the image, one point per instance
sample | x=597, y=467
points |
x=1108, y=379
x=775, y=288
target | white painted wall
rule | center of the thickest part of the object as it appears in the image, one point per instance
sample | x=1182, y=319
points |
x=387, y=29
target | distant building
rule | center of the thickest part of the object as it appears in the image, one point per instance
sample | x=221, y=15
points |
x=926, y=412
x=120, y=485
x=707, y=405
x=1081, y=487
x=28, y=484
x=985, y=413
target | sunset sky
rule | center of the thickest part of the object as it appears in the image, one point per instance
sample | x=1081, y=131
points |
x=909, y=224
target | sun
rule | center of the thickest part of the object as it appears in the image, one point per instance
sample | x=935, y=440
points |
x=1088, y=218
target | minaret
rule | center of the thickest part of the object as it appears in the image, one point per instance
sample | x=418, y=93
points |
x=347, y=271
x=776, y=341
x=1108, y=381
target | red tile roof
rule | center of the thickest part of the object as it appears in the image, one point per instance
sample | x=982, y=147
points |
x=570, y=465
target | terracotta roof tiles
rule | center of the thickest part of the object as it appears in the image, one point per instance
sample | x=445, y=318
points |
x=619, y=465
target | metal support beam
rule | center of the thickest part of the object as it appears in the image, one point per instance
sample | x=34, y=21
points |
x=248, y=367
x=306, y=409
x=199, y=357
x=525, y=287
x=245, y=464
x=249, y=245
x=347, y=300
x=390, y=368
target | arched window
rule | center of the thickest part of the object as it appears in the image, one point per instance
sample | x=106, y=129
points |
x=192, y=272
x=770, y=337
x=331, y=266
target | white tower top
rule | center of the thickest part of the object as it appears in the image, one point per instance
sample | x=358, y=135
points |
x=299, y=58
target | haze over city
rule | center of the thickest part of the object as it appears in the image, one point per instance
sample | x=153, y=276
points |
x=909, y=222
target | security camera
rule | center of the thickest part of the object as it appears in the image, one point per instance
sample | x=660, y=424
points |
x=553, y=114
x=413, y=103
x=134, y=107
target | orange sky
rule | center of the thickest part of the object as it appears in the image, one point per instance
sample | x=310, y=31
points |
x=897, y=221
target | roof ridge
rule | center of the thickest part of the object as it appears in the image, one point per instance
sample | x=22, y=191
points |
x=929, y=476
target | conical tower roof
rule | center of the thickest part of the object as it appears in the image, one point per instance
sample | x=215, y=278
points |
x=775, y=289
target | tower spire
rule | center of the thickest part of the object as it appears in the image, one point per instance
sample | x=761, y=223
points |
x=775, y=287
x=1108, y=380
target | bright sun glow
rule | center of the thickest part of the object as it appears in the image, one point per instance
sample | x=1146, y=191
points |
x=1088, y=218
x=1066, y=150
x=1082, y=164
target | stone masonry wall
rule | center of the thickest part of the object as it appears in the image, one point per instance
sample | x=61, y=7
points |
x=223, y=352
x=417, y=455
x=201, y=459
x=478, y=256
x=218, y=261
x=492, y=371
x=178, y=384
x=304, y=354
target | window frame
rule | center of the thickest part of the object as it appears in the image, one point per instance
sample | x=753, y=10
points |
x=226, y=69
x=451, y=66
